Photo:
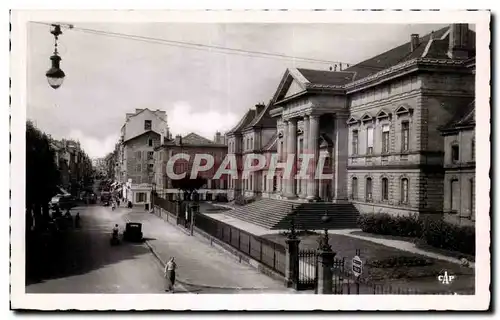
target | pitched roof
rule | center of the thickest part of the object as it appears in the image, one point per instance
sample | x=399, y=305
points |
x=245, y=120
x=140, y=135
x=193, y=138
x=465, y=116
x=437, y=50
x=323, y=77
x=263, y=119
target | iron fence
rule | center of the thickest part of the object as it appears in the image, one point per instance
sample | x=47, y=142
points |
x=266, y=252
x=308, y=269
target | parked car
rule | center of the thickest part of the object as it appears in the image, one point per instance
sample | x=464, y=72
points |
x=133, y=232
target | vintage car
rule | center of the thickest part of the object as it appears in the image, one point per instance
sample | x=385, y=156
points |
x=133, y=232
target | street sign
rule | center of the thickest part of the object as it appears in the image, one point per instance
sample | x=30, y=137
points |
x=357, y=266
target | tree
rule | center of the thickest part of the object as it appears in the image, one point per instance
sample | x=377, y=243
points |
x=42, y=174
x=188, y=186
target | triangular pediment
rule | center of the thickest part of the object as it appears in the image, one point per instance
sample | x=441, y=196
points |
x=403, y=109
x=291, y=84
x=325, y=141
x=383, y=114
x=293, y=89
x=352, y=121
x=366, y=117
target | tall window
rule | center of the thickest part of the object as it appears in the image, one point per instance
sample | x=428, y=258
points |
x=369, y=188
x=369, y=142
x=473, y=149
x=265, y=183
x=147, y=124
x=385, y=189
x=138, y=155
x=150, y=155
x=355, y=139
x=454, y=195
x=404, y=190
x=471, y=197
x=385, y=138
x=354, y=188
x=150, y=142
x=405, y=136
x=455, y=153
x=138, y=168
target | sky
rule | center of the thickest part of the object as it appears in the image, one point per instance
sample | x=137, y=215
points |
x=202, y=90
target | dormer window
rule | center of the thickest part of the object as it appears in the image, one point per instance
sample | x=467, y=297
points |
x=147, y=124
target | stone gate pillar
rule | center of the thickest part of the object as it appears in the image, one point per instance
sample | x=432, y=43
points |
x=325, y=274
x=292, y=263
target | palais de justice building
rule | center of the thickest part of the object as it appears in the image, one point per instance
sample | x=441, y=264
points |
x=385, y=127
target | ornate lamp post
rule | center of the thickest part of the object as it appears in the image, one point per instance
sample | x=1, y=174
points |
x=55, y=76
x=323, y=243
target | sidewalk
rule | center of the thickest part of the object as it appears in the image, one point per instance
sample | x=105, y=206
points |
x=396, y=244
x=199, y=264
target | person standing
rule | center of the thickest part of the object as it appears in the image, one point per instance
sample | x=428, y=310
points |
x=170, y=268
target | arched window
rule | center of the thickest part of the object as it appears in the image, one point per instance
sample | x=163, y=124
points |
x=354, y=188
x=369, y=188
x=385, y=189
x=404, y=190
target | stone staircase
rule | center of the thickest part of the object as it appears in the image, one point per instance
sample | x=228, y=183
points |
x=275, y=214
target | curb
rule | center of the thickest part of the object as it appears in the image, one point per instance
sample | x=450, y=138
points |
x=157, y=256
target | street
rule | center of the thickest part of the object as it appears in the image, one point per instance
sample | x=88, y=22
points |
x=87, y=263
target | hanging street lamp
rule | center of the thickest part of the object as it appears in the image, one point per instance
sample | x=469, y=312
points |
x=55, y=76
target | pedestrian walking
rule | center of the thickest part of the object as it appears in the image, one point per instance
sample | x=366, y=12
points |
x=170, y=268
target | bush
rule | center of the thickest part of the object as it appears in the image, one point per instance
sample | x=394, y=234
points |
x=385, y=224
x=435, y=232
x=448, y=236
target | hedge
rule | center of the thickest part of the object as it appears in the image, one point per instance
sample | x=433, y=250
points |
x=435, y=232
x=383, y=223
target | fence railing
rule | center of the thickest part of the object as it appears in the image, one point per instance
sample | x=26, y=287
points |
x=266, y=252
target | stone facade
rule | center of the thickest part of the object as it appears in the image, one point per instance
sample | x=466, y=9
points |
x=140, y=134
x=379, y=131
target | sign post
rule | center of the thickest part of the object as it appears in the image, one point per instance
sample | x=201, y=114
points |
x=357, y=269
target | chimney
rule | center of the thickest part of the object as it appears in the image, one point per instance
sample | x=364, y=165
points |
x=218, y=139
x=178, y=139
x=415, y=41
x=259, y=107
x=458, y=47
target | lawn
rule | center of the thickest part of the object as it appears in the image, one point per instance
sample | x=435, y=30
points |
x=389, y=266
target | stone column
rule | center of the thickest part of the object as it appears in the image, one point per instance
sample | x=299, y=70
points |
x=305, y=145
x=284, y=153
x=312, y=186
x=292, y=263
x=340, y=158
x=292, y=149
x=325, y=274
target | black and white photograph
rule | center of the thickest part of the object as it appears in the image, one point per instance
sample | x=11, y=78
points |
x=242, y=161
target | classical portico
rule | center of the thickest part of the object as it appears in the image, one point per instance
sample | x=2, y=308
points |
x=307, y=121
